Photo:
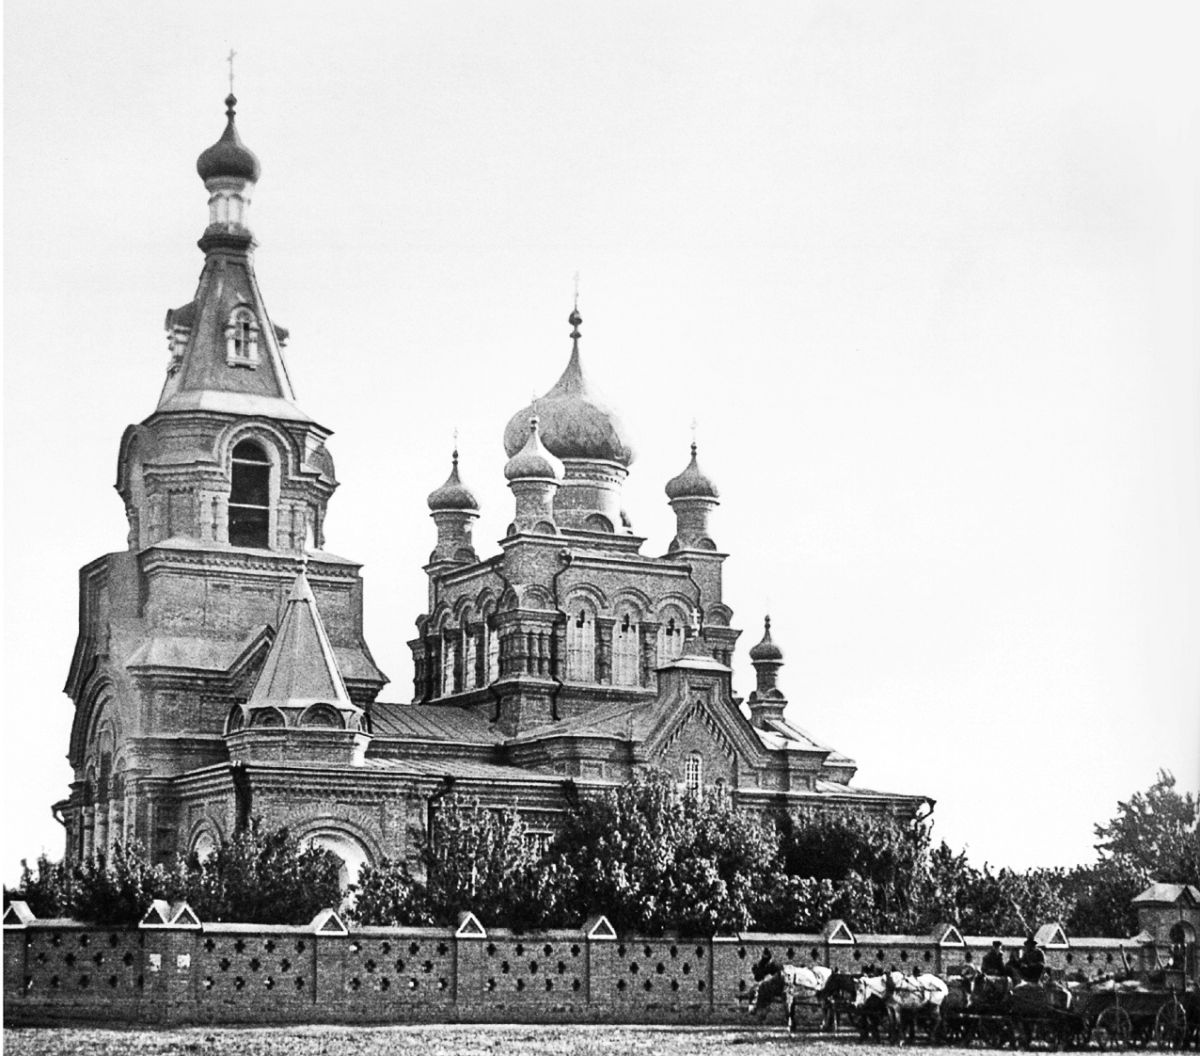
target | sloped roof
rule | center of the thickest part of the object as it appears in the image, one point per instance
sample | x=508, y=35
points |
x=1168, y=893
x=433, y=722
x=462, y=769
x=301, y=668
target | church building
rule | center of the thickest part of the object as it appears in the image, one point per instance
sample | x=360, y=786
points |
x=222, y=670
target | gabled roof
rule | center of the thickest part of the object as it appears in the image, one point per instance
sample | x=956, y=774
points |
x=301, y=668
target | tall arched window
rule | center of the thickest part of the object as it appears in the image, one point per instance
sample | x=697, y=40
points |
x=693, y=774
x=250, y=496
x=450, y=643
x=670, y=636
x=493, y=648
x=626, y=656
x=581, y=644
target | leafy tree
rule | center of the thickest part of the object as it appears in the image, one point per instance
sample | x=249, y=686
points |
x=263, y=877
x=653, y=858
x=49, y=892
x=1155, y=834
x=388, y=893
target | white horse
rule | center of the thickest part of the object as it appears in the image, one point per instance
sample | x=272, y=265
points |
x=909, y=998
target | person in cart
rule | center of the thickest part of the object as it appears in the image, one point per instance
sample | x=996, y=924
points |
x=1032, y=963
x=993, y=960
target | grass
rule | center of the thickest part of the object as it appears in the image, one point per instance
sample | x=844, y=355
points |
x=431, y=1040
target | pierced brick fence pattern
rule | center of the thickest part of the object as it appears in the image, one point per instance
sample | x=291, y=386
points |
x=229, y=973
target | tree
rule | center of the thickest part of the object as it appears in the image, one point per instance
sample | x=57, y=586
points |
x=1155, y=834
x=654, y=858
x=262, y=877
x=388, y=893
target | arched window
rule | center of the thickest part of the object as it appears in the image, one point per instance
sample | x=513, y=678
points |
x=626, y=654
x=693, y=775
x=581, y=644
x=493, y=648
x=250, y=496
x=449, y=660
x=670, y=636
x=241, y=339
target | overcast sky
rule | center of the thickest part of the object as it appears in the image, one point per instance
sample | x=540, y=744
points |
x=925, y=275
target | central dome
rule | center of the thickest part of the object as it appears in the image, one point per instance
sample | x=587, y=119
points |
x=573, y=423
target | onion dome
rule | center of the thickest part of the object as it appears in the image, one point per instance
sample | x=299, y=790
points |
x=692, y=483
x=766, y=649
x=533, y=460
x=575, y=424
x=229, y=156
x=454, y=494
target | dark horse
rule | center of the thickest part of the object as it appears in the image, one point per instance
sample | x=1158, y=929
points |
x=768, y=975
x=837, y=999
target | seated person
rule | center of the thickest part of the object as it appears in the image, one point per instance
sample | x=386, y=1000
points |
x=1032, y=963
x=993, y=960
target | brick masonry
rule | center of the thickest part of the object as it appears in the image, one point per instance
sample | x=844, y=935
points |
x=57, y=971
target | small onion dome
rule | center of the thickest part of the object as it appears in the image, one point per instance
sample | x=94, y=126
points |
x=766, y=649
x=692, y=483
x=575, y=424
x=229, y=156
x=454, y=494
x=533, y=460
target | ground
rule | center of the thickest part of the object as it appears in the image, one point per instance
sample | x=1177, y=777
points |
x=441, y=1040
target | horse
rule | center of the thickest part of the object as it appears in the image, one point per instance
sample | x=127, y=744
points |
x=909, y=998
x=802, y=981
x=870, y=1005
x=837, y=996
x=786, y=981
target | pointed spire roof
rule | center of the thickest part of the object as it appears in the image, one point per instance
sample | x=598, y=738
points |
x=575, y=423
x=301, y=668
x=226, y=353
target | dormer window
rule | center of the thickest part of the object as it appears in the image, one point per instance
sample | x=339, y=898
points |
x=241, y=339
x=250, y=496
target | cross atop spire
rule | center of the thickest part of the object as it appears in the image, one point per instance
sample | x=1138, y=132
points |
x=229, y=59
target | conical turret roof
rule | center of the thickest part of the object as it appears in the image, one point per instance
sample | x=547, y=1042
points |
x=301, y=668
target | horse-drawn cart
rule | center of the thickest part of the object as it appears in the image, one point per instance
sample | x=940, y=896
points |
x=1138, y=1013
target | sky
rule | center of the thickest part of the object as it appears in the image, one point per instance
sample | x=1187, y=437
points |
x=923, y=274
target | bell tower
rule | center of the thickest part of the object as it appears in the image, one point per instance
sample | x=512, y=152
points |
x=225, y=486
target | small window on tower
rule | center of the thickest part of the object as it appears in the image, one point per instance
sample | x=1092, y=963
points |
x=241, y=339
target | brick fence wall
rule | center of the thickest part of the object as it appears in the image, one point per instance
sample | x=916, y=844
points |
x=232, y=973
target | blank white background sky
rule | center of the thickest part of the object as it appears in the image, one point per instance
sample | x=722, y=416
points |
x=925, y=274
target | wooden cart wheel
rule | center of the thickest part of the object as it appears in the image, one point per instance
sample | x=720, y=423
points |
x=1113, y=1028
x=1170, y=1025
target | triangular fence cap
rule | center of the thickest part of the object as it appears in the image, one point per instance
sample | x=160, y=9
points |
x=836, y=932
x=1051, y=935
x=183, y=916
x=327, y=922
x=599, y=929
x=1143, y=938
x=469, y=927
x=18, y=914
x=157, y=916
x=947, y=935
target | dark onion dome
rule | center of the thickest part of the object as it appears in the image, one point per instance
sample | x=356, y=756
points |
x=533, y=461
x=575, y=424
x=454, y=494
x=229, y=156
x=766, y=649
x=692, y=483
